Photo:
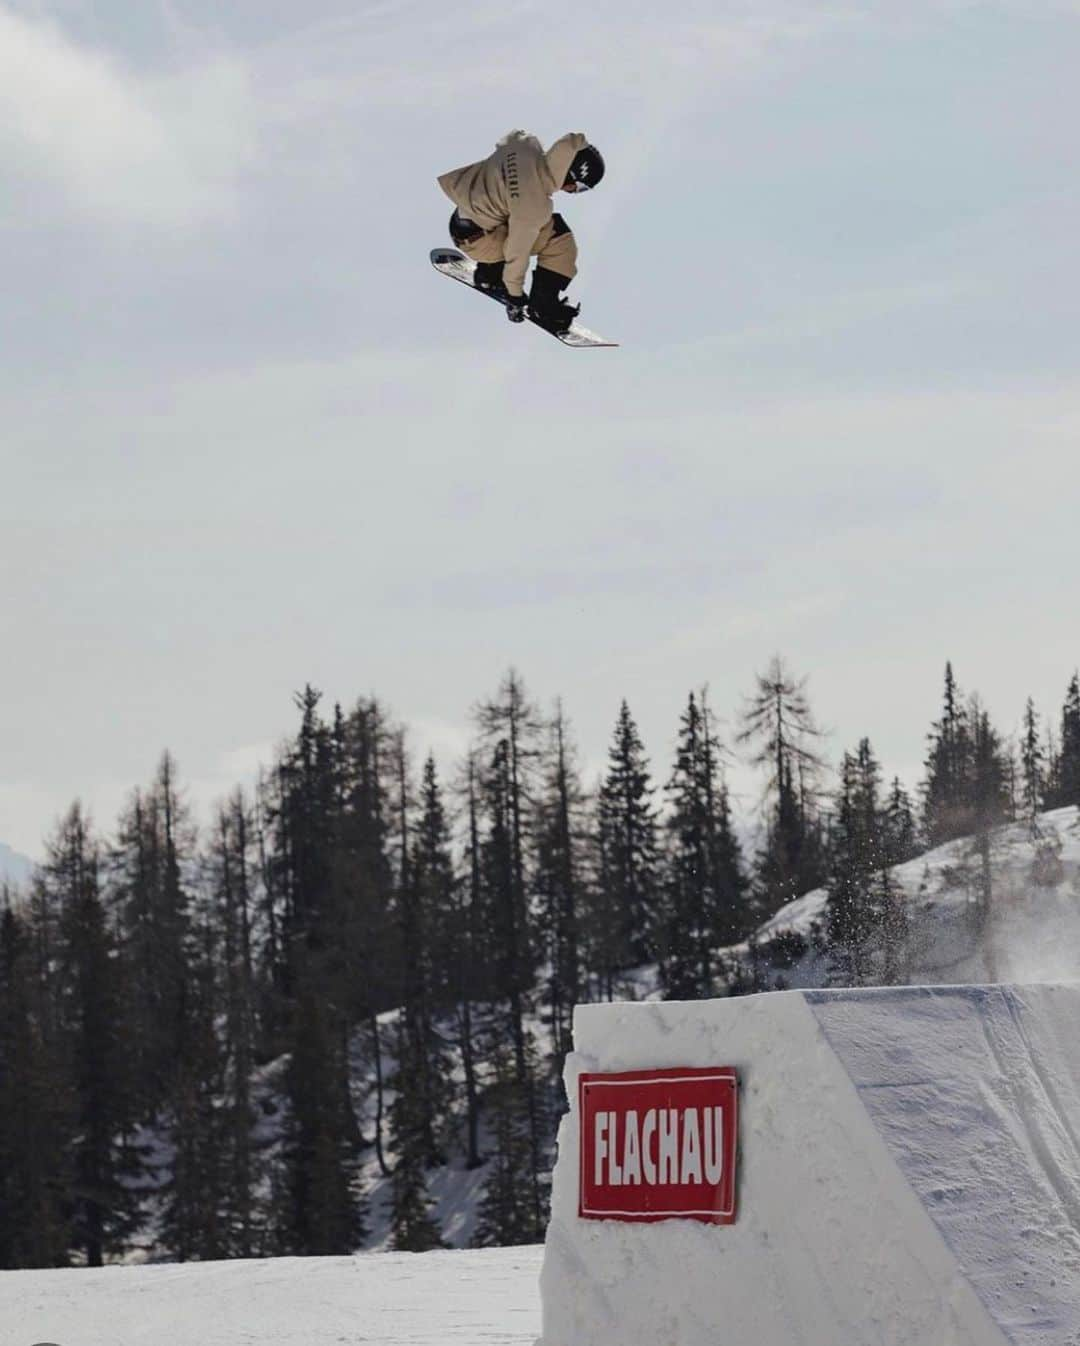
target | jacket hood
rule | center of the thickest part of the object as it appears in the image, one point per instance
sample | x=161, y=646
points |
x=558, y=159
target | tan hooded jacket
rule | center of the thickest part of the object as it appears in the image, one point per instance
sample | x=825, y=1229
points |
x=513, y=187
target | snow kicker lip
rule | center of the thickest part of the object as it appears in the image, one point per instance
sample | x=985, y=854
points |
x=908, y=1170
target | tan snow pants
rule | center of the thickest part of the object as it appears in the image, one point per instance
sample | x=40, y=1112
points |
x=555, y=247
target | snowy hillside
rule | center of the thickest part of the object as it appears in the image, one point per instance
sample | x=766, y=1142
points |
x=424, y=1299
x=1031, y=933
x=14, y=868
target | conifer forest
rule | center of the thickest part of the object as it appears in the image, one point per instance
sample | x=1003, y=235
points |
x=215, y=1039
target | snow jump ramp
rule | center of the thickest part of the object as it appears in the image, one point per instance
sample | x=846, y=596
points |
x=907, y=1171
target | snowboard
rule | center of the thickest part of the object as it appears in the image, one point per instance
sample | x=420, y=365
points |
x=458, y=267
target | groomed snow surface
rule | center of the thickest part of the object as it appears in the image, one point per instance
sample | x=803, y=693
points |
x=414, y=1299
x=909, y=1176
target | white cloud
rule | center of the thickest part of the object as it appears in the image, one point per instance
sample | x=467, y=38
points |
x=162, y=151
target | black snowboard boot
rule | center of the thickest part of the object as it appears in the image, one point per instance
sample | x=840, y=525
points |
x=545, y=305
x=488, y=276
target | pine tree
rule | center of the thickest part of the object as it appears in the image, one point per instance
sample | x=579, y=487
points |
x=103, y=1158
x=705, y=906
x=509, y=727
x=375, y=800
x=195, y=1220
x=947, y=787
x=859, y=891
x=420, y=1112
x=234, y=906
x=150, y=892
x=560, y=884
x=623, y=920
x=34, y=1113
x=891, y=903
x=508, y=1213
x=1068, y=791
x=1032, y=762
x=1052, y=770
x=412, y=1225
x=988, y=804
x=900, y=830
x=322, y=1209
x=466, y=960
x=421, y=1100
x=778, y=722
x=990, y=770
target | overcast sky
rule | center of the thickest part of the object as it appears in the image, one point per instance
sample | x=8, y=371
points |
x=249, y=439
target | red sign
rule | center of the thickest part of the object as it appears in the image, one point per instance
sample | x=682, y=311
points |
x=658, y=1145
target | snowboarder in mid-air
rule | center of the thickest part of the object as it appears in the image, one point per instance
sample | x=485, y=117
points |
x=503, y=216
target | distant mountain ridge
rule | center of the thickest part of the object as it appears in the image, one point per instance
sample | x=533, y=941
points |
x=14, y=867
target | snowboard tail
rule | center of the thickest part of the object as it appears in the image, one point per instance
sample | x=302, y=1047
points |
x=461, y=268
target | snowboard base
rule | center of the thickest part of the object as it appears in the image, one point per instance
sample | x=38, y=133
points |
x=461, y=268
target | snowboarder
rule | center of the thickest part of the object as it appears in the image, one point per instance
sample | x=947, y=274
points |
x=503, y=215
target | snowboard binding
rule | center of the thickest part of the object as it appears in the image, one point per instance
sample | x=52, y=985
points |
x=546, y=306
x=557, y=319
x=488, y=277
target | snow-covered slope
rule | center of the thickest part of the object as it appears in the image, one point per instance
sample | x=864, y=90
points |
x=975, y=1091
x=1032, y=932
x=410, y=1299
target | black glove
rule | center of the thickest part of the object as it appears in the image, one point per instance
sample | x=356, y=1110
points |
x=515, y=307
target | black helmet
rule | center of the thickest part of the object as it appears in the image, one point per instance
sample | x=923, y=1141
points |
x=587, y=169
x=462, y=229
